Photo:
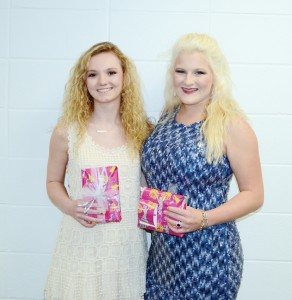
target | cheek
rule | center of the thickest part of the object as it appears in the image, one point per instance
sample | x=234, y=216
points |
x=120, y=81
x=87, y=84
x=88, y=88
x=207, y=84
x=176, y=81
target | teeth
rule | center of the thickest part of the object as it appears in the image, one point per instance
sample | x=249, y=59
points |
x=189, y=90
x=104, y=90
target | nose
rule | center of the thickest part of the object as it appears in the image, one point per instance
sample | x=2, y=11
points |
x=102, y=79
x=189, y=79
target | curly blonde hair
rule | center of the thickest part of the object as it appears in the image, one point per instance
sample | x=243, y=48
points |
x=78, y=103
x=221, y=109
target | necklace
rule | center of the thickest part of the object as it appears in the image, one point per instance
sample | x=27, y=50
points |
x=102, y=131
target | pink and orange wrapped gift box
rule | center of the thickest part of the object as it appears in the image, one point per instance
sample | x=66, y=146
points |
x=152, y=206
x=100, y=186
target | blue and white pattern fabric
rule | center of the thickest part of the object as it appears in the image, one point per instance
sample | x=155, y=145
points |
x=203, y=265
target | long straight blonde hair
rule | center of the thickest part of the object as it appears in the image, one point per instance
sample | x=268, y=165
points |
x=221, y=109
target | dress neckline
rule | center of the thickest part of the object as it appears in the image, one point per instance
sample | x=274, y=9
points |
x=195, y=124
x=103, y=148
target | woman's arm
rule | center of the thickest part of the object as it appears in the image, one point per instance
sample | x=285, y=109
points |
x=242, y=152
x=58, y=158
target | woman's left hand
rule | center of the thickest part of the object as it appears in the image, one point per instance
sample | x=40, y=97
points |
x=189, y=219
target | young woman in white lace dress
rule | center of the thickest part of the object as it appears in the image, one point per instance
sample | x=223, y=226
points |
x=103, y=124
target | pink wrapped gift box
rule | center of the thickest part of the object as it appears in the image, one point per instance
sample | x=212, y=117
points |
x=151, y=209
x=101, y=186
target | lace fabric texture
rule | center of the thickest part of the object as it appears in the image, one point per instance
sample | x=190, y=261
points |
x=107, y=261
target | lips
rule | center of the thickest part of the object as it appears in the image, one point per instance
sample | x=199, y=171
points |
x=189, y=90
x=104, y=90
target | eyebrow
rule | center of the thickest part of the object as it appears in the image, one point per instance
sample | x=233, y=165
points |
x=203, y=69
x=93, y=70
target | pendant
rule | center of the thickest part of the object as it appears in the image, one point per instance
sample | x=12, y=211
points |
x=101, y=131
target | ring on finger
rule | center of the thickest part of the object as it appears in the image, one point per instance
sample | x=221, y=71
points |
x=178, y=224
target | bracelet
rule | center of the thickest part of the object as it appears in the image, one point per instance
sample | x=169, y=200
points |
x=204, y=222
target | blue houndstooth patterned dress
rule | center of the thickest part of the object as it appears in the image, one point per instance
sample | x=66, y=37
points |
x=203, y=265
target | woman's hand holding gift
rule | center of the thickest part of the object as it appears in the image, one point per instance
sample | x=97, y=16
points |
x=186, y=220
x=80, y=211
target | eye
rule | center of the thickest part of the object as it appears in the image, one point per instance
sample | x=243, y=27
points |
x=91, y=75
x=112, y=73
x=179, y=71
x=200, y=72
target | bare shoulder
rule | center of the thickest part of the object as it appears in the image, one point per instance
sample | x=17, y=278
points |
x=58, y=155
x=59, y=138
x=60, y=132
x=241, y=142
x=240, y=131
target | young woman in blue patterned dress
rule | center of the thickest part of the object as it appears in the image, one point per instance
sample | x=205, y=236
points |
x=200, y=142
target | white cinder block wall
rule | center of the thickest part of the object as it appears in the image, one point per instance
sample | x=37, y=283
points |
x=40, y=41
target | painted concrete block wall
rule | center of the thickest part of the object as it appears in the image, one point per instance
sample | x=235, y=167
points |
x=40, y=41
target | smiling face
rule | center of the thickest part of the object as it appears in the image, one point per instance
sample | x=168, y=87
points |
x=104, y=77
x=192, y=79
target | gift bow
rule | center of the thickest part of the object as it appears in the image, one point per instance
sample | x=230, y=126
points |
x=96, y=184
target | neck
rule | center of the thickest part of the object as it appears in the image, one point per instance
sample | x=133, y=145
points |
x=190, y=114
x=106, y=117
x=105, y=120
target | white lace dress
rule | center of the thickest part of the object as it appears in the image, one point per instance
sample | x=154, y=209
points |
x=107, y=261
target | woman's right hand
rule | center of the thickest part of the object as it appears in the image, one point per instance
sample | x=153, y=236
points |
x=78, y=210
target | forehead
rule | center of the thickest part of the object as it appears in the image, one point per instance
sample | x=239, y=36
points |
x=104, y=60
x=194, y=58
